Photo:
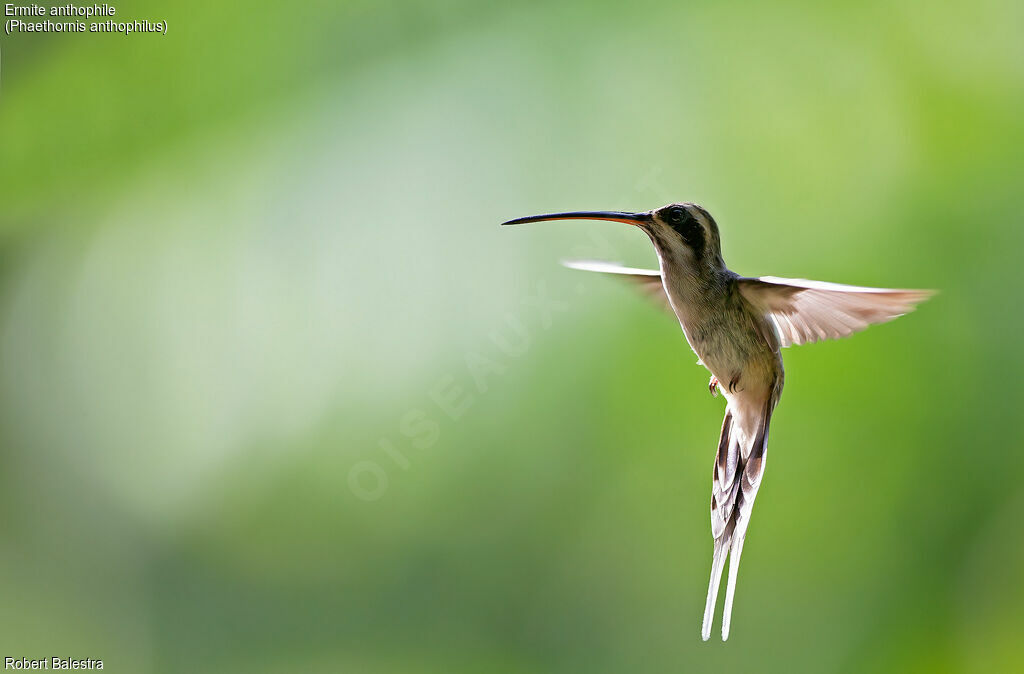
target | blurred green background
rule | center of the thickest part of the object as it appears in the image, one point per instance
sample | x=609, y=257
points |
x=277, y=394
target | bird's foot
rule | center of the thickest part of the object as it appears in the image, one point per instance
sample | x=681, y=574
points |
x=713, y=386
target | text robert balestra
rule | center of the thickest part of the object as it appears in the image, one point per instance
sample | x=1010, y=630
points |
x=52, y=663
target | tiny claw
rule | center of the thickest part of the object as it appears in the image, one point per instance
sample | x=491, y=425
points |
x=713, y=386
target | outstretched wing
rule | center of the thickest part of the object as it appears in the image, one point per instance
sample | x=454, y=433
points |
x=807, y=311
x=648, y=280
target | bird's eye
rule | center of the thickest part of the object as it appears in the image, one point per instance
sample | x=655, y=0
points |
x=677, y=216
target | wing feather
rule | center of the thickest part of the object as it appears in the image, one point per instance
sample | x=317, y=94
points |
x=649, y=280
x=611, y=268
x=807, y=311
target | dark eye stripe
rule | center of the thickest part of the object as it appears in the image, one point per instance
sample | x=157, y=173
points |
x=693, y=235
x=691, y=231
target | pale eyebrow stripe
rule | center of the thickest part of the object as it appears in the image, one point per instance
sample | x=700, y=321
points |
x=704, y=213
x=704, y=219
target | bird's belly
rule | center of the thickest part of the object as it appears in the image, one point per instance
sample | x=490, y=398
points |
x=733, y=353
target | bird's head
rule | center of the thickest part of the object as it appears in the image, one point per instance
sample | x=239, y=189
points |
x=684, y=234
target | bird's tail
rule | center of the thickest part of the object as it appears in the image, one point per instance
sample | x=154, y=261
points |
x=717, y=565
x=739, y=465
x=730, y=589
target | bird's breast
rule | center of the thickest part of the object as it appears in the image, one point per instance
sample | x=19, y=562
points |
x=724, y=335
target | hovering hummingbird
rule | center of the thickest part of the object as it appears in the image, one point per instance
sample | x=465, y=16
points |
x=737, y=325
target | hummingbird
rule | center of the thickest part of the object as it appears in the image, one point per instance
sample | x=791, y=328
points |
x=737, y=326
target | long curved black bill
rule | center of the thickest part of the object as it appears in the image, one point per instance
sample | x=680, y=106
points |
x=615, y=216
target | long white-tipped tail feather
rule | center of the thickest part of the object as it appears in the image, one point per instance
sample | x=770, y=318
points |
x=730, y=589
x=717, y=565
x=739, y=466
